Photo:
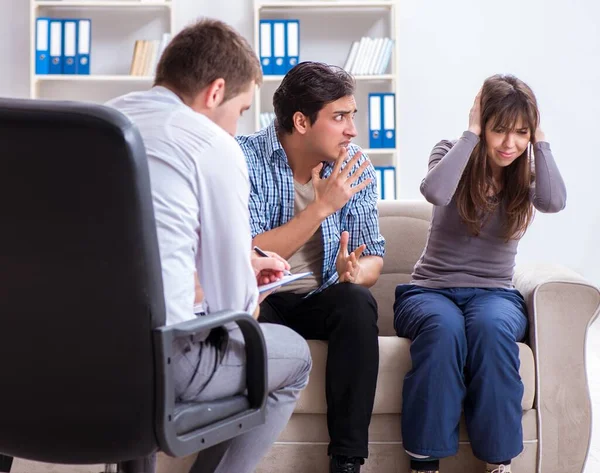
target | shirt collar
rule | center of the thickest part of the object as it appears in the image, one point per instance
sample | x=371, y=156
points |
x=274, y=145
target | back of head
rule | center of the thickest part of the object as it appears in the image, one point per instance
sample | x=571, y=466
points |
x=307, y=88
x=206, y=51
x=504, y=100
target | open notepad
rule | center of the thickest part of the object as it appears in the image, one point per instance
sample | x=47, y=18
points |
x=283, y=281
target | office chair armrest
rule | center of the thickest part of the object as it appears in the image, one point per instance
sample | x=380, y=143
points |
x=256, y=382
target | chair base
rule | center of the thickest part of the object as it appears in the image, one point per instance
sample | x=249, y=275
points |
x=5, y=463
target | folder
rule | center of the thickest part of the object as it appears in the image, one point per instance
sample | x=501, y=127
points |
x=389, y=121
x=386, y=182
x=84, y=46
x=42, y=45
x=279, y=47
x=293, y=43
x=55, y=47
x=266, y=46
x=69, y=51
x=375, y=114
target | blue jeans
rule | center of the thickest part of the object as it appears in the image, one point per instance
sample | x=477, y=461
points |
x=464, y=355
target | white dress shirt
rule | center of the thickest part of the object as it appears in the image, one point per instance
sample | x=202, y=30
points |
x=200, y=191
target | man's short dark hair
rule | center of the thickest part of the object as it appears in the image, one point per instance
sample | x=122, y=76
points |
x=206, y=51
x=307, y=88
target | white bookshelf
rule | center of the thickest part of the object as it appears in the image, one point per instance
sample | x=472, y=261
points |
x=347, y=21
x=116, y=24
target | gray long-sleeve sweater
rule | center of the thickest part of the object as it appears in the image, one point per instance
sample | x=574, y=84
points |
x=453, y=257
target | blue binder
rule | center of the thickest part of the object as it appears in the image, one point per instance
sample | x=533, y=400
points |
x=279, y=47
x=375, y=117
x=389, y=120
x=266, y=46
x=84, y=46
x=292, y=43
x=69, y=50
x=42, y=45
x=55, y=47
x=386, y=182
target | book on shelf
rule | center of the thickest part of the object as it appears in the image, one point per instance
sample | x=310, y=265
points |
x=369, y=56
x=146, y=54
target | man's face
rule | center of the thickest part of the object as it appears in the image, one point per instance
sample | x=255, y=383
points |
x=333, y=129
x=228, y=113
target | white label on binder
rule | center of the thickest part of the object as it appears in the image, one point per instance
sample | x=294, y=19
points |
x=84, y=37
x=292, y=37
x=55, y=38
x=70, y=30
x=389, y=184
x=42, y=35
x=375, y=112
x=265, y=39
x=279, y=38
x=389, y=118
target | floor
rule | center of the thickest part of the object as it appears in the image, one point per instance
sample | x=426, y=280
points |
x=592, y=466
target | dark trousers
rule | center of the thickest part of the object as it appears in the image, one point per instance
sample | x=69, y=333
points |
x=345, y=315
x=463, y=351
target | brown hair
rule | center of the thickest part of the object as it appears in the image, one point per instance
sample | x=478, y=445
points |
x=504, y=99
x=206, y=51
x=307, y=88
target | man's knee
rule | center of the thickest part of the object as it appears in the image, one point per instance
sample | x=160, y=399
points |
x=356, y=302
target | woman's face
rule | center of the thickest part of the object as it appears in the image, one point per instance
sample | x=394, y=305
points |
x=504, y=145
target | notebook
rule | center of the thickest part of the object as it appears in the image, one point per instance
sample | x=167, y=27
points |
x=283, y=281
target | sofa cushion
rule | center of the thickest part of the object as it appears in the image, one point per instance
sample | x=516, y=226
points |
x=394, y=363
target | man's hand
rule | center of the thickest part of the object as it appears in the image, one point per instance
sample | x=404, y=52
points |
x=348, y=265
x=198, y=289
x=335, y=191
x=268, y=270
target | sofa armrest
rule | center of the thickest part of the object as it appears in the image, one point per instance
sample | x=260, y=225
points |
x=561, y=305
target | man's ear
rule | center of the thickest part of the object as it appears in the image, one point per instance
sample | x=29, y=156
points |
x=214, y=93
x=301, y=122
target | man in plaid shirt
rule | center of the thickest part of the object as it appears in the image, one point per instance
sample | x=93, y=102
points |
x=313, y=200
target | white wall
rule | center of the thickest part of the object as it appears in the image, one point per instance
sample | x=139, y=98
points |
x=446, y=50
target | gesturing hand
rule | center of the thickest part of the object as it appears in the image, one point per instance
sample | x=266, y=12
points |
x=336, y=190
x=348, y=264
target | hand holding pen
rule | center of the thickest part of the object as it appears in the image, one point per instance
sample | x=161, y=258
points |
x=268, y=266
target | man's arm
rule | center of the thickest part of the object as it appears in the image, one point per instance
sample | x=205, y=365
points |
x=331, y=194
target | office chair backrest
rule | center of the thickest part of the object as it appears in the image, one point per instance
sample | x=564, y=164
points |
x=80, y=284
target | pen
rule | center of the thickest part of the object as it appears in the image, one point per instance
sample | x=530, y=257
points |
x=264, y=255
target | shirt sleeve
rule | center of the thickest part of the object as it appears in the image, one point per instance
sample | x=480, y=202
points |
x=257, y=206
x=447, y=164
x=362, y=217
x=224, y=267
x=549, y=193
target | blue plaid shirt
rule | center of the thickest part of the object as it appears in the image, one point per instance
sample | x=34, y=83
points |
x=272, y=201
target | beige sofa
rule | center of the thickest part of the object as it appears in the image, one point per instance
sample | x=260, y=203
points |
x=556, y=404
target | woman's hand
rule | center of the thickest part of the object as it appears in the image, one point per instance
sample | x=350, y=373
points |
x=475, y=116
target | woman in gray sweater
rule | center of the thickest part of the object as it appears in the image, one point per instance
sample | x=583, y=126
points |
x=461, y=310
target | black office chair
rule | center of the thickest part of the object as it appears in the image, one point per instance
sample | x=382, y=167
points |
x=84, y=354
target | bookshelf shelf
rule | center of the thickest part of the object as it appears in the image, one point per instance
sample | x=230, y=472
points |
x=381, y=77
x=93, y=78
x=105, y=3
x=376, y=151
x=113, y=46
x=320, y=4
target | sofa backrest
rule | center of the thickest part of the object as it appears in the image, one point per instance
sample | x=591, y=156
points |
x=404, y=225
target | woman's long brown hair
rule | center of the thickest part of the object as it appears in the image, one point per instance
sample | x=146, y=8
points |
x=504, y=99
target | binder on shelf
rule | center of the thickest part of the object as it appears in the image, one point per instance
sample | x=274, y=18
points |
x=375, y=115
x=389, y=120
x=292, y=43
x=266, y=46
x=84, y=46
x=279, y=47
x=69, y=50
x=56, y=41
x=386, y=182
x=42, y=45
